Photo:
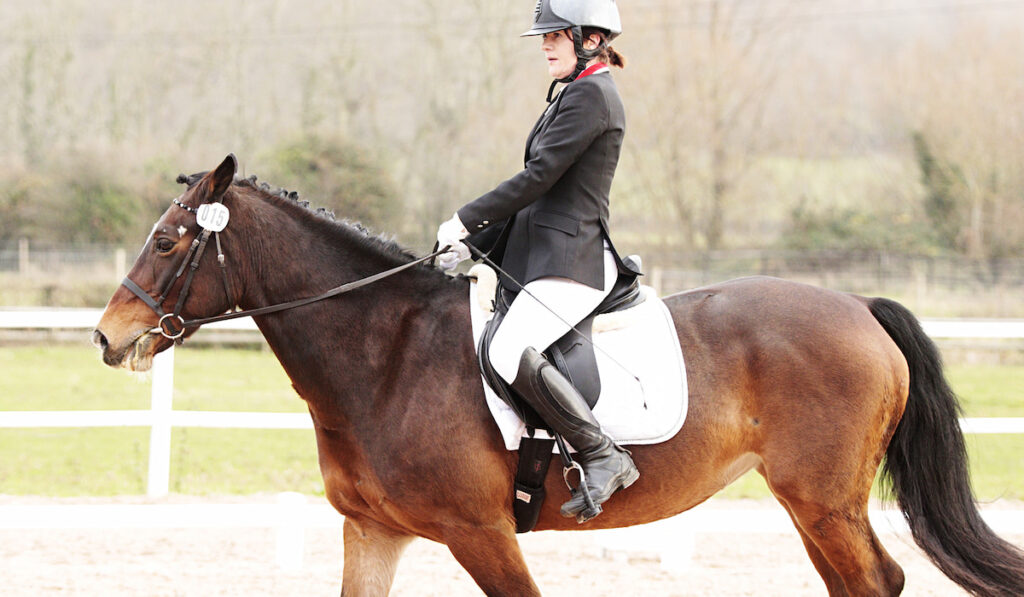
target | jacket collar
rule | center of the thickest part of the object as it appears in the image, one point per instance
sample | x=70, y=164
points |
x=594, y=69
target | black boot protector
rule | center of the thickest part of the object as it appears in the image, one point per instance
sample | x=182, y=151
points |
x=606, y=466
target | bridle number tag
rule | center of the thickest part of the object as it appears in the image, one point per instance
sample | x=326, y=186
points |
x=212, y=216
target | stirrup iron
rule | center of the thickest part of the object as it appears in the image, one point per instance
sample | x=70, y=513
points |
x=568, y=465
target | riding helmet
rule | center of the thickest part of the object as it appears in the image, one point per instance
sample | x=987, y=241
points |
x=555, y=15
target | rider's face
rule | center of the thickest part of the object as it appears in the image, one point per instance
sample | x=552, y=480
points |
x=560, y=53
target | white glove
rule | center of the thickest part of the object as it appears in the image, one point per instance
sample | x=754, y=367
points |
x=450, y=234
x=450, y=260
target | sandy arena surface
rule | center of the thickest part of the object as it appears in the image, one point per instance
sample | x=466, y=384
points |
x=241, y=561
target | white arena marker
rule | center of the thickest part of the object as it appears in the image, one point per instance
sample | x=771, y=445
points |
x=291, y=531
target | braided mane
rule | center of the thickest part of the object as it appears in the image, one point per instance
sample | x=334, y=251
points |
x=268, y=191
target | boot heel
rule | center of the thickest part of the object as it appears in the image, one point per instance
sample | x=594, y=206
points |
x=629, y=480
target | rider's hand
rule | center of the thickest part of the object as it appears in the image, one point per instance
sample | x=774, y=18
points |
x=450, y=234
x=450, y=260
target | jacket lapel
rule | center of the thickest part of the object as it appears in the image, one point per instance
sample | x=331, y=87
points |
x=541, y=123
x=533, y=133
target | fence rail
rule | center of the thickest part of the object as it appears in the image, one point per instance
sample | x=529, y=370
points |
x=673, y=540
x=161, y=417
x=49, y=271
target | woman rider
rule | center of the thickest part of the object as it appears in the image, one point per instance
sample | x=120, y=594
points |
x=551, y=225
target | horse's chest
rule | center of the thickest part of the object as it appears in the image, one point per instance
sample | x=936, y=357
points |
x=351, y=497
x=349, y=484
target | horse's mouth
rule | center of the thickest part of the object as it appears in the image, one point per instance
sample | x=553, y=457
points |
x=138, y=355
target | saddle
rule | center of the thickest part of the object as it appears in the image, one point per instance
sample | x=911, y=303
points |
x=573, y=355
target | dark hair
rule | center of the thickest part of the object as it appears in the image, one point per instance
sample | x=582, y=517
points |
x=610, y=55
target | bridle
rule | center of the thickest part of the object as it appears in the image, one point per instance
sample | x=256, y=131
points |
x=167, y=327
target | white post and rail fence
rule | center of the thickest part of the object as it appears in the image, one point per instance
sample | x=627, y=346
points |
x=292, y=514
x=161, y=416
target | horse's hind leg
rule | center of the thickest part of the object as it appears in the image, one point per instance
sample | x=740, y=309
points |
x=833, y=582
x=372, y=552
x=844, y=547
x=493, y=558
x=827, y=497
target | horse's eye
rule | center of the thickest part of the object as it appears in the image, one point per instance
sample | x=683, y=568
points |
x=164, y=245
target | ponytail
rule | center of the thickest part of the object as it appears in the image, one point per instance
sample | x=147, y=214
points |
x=608, y=55
x=613, y=57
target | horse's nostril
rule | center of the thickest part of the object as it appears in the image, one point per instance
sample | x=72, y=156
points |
x=99, y=340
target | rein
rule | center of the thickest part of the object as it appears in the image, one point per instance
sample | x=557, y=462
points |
x=305, y=301
x=173, y=331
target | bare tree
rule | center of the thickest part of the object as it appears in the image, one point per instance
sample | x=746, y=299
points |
x=706, y=99
x=970, y=136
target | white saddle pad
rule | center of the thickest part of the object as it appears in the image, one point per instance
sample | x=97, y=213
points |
x=640, y=342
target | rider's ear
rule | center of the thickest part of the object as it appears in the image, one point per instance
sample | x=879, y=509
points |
x=218, y=181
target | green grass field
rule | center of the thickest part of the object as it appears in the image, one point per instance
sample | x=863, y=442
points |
x=113, y=461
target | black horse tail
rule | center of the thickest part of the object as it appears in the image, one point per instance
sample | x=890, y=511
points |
x=926, y=470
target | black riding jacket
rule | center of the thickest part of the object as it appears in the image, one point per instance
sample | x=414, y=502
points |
x=551, y=219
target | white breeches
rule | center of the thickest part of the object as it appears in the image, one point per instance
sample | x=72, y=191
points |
x=530, y=323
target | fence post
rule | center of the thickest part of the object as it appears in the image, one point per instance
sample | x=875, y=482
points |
x=291, y=531
x=120, y=264
x=23, y=256
x=656, y=280
x=160, y=432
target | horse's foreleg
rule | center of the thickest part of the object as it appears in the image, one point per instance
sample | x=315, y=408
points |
x=372, y=552
x=493, y=558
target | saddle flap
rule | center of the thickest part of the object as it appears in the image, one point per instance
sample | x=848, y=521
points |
x=573, y=355
x=496, y=383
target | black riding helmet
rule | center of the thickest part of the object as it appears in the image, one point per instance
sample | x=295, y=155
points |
x=556, y=15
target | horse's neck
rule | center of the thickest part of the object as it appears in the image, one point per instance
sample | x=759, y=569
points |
x=286, y=260
x=337, y=352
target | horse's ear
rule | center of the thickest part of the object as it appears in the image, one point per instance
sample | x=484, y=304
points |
x=220, y=179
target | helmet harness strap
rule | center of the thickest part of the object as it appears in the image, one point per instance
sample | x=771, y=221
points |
x=583, y=56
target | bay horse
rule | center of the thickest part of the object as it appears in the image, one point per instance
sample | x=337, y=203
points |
x=810, y=387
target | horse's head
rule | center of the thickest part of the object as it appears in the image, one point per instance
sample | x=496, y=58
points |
x=174, y=278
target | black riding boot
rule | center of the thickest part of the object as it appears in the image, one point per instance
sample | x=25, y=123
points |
x=607, y=467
